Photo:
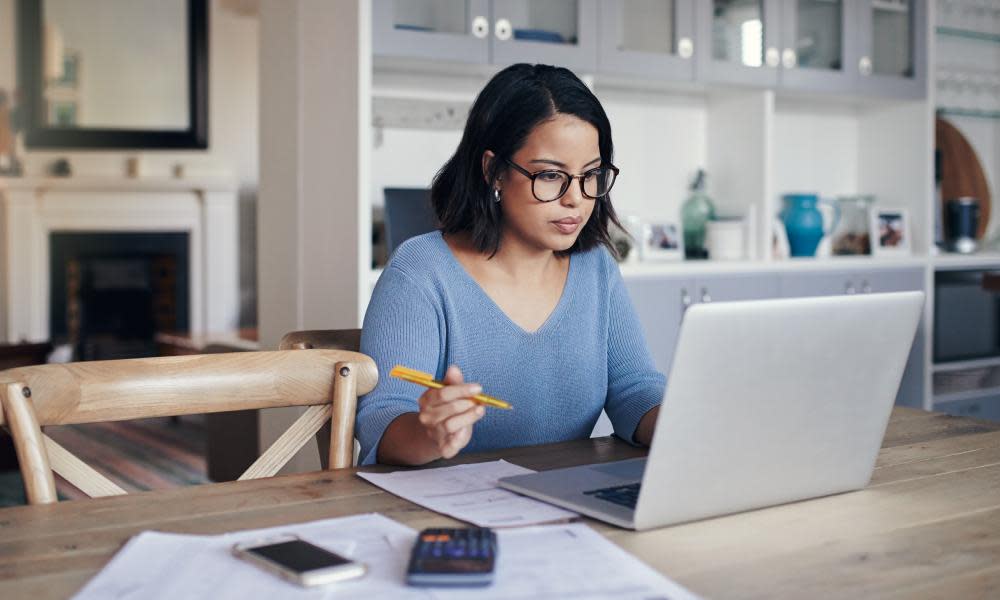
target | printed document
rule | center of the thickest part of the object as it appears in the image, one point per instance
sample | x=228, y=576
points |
x=567, y=561
x=470, y=493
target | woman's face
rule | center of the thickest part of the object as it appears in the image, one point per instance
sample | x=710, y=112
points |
x=564, y=142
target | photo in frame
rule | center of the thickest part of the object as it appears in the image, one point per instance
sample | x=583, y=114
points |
x=661, y=241
x=890, y=231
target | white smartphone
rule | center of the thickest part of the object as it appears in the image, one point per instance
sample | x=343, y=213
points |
x=298, y=561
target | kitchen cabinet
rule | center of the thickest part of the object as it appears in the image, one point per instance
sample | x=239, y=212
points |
x=817, y=37
x=560, y=32
x=653, y=39
x=891, y=47
x=868, y=47
x=660, y=303
x=435, y=29
x=986, y=406
x=737, y=41
x=833, y=283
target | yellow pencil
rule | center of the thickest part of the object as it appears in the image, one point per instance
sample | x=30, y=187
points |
x=427, y=380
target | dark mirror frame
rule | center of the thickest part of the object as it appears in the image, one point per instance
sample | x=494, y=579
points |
x=38, y=135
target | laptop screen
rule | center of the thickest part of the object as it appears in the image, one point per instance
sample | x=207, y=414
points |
x=408, y=213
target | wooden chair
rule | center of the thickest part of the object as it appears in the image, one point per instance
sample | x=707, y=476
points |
x=327, y=381
x=329, y=339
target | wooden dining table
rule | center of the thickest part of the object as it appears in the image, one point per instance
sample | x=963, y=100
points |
x=927, y=526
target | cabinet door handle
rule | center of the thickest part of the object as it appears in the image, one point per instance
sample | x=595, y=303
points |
x=849, y=289
x=789, y=59
x=502, y=29
x=866, y=288
x=865, y=66
x=771, y=57
x=480, y=26
x=685, y=48
x=705, y=296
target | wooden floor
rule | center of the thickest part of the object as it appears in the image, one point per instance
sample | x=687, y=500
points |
x=144, y=454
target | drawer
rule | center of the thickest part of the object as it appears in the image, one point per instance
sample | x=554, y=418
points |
x=984, y=407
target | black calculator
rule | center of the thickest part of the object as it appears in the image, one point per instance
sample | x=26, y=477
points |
x=453, y=557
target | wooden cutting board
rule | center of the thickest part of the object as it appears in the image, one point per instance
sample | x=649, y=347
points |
x=961, y=173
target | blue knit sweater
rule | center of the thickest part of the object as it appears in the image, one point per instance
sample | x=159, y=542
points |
x=427, y=313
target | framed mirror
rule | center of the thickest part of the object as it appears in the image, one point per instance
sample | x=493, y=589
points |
x=106, y=74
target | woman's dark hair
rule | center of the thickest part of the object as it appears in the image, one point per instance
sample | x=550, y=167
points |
x=511, y=105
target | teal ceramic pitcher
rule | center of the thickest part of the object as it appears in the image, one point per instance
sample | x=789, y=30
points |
x=804, y=222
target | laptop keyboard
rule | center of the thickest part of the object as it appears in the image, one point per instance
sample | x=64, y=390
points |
x=626, y=495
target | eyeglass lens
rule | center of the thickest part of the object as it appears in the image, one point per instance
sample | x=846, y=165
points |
x=551, y=185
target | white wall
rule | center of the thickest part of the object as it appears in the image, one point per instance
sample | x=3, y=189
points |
x=232, y=106
x=659, y=142
x=233, y=128
x=315, y=69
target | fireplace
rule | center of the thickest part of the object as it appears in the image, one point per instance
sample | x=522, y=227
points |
x=187, y=229
x=111, y=292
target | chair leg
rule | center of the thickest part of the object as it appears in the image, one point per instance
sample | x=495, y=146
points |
x=345, y=405
x=39, y=484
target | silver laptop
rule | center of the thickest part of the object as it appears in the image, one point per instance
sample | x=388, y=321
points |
x=767, y=402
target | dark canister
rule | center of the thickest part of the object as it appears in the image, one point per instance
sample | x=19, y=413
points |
x=963, y=222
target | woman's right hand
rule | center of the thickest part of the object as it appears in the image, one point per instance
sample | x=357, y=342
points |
x=448, y=414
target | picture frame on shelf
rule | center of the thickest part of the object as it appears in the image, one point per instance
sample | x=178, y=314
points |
x=890, y=232
x=661, y=241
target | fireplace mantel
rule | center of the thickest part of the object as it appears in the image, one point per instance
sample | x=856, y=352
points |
x=32, y=208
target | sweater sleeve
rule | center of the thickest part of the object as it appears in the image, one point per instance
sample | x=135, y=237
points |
x=634, y=384
x=402, y=327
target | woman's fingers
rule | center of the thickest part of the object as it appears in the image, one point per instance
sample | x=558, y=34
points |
x=456, y=423
x=453, y=375
x=455, y=442
x=449, y=414
x=432, y=414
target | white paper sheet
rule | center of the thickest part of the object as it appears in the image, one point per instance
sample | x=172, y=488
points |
x=556, y=561
x=470, y=493
x=570, y=561
x=157, y=565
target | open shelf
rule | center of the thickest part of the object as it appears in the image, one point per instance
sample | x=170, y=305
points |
x=960, y=365
x=967, y=34
x=968, y=112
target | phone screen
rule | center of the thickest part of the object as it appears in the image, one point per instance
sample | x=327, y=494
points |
x=299, y=556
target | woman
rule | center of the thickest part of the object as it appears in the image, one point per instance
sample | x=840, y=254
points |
x=517, y=292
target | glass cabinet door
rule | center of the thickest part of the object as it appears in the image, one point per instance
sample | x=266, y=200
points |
x=558, y=32
x=652, y=38
x=738, y=41
x=452, y=30
x=893, y=47
x=814, y=43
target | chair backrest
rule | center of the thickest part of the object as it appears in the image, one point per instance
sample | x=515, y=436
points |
x=330, y=339
x=328, y=382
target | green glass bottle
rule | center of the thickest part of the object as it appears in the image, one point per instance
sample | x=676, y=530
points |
x=695, y=213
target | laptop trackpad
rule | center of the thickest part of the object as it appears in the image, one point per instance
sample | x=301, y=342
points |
x=626, y=469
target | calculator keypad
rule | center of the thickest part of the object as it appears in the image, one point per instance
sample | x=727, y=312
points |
x=454, y=553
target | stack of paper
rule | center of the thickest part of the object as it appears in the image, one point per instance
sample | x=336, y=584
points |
x=556, y=561
x=470, y=493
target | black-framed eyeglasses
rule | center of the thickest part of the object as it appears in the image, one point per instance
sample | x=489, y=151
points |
x=551, y=184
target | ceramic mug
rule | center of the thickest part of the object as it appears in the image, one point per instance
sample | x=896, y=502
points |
x=725, y=239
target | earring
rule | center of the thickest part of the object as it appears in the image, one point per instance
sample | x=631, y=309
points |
x=496, y=194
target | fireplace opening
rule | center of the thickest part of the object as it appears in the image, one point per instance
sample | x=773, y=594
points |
x=111, y=293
